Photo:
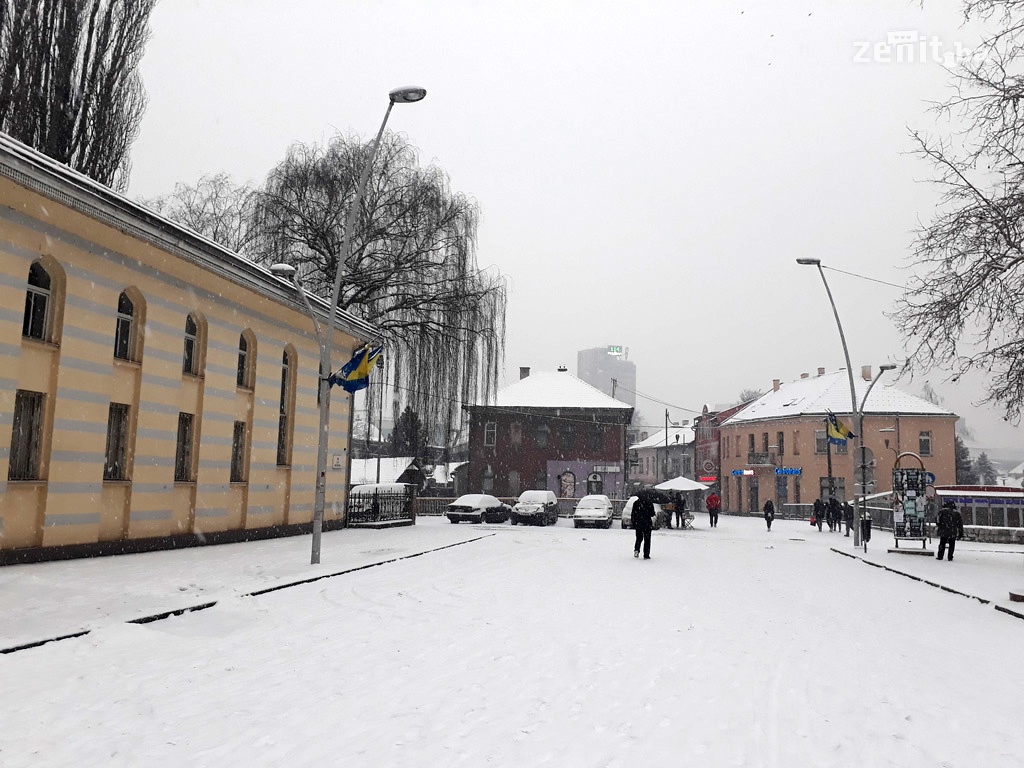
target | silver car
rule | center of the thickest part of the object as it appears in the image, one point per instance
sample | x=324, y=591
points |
x=596, y=510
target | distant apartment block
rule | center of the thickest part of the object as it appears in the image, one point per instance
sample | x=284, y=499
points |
x=597, y=367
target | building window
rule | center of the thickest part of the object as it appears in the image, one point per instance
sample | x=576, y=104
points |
x=115, y=464
x=750, y=442
x=820, y=441
x=246, y=374
x=924, y=444
x=764, y=442
x=796, y=489
x=796, y=442
x=284, y=411
x=842, y=448
x=781, y=440
x=596, y=438
x=238, y=454
x=36, y=322
x=542, y=436
x=183, y=453
x=725, y=445
x=190, y=359
x=26, y=436
x=515, y=433
x=124, y=335
x=490, y=434
x=737, y=446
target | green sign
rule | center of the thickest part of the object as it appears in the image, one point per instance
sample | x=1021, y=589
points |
x=614, y=350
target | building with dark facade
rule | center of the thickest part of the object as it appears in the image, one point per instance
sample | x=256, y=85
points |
x=548, y=431
x=598, y=366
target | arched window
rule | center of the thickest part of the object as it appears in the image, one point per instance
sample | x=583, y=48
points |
x=131, y=321
x=38, y=309
x=124, y=333
x=286, y=408
x=246, y=375
x=190, y=359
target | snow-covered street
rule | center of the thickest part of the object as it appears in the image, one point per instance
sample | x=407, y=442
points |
x=517, y=647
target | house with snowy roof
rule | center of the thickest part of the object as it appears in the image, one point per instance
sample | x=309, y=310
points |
x=548, y=431
x=664, y=454
x=777, y=448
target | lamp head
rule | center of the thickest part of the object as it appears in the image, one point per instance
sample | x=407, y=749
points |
x=887, y=367
x=813, y=262
x=407, y=94
x=287, y=271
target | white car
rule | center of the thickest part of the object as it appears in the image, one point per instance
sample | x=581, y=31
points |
x=627, y=512
x=478, y=508
x=596, y=510
x=535, y=508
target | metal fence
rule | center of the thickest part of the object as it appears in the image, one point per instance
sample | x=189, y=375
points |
x=381, y=507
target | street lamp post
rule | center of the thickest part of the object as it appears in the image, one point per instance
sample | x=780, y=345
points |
x=849, y=371
x=862, y=454
x=405, y=95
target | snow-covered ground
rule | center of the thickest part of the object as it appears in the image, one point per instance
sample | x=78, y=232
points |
x=517, y=647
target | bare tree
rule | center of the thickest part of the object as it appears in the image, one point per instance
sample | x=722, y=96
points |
x=748, y=394
x=215, y=207
x=412, y=269
x=69, y=85
x=962, y=310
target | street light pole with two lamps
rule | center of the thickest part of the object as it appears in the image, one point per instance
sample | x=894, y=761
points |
x=849, y=370
x=405, y=95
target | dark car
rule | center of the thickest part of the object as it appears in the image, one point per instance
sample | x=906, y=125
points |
x=535, y=508
x=478, y=508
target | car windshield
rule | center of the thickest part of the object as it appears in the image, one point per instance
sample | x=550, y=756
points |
x=533, y=497
x=592, y=504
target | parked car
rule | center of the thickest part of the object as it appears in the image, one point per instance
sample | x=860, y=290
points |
x=535, y=508
x=478, y=508
x=596, y=510
x=627, y=512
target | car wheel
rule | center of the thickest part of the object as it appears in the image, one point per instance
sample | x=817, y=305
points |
x=453, y=520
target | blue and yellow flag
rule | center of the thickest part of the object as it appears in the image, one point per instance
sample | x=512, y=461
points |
x=355, y=374
x=837, y=432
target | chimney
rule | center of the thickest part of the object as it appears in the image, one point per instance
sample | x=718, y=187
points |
x=524, y=372
x=821, y=371
x=775, y=385
x=865, y=372
x=804, y=375
x=562, y=369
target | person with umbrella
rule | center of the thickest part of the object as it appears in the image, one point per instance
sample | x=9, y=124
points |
x=642, y=519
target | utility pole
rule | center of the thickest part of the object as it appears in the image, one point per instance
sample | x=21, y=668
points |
x=615, y=383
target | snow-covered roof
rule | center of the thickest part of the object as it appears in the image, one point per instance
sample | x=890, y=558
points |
x=1017, y=471
x=816, y=395
x=365, y=470
x=657, y=440
x=555, y=389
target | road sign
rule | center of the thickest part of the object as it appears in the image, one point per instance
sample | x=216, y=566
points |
x=864, y=475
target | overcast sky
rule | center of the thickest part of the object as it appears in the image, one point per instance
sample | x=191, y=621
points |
x=647, y=171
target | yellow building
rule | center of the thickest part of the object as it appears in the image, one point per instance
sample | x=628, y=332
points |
x=776, y=447
x=156, y=389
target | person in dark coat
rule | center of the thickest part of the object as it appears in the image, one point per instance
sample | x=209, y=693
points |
x=848, y=516
x=714, y=504
x=950, y=527
x=769, y=513
x=835, y=512
x=681, y=510
x=641, y=520
x=819, y=510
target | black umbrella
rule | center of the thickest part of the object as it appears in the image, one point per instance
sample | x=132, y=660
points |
x=654, y=496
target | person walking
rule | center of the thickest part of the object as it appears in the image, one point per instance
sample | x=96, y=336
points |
x=848, y=516
x=641, y=520
x=950, y=527
x=835, y=512
x=713, y=504
x=769, y=513
x=819, y=510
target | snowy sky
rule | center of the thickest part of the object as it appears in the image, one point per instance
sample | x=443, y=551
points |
x=730, y=647
x=647, y=171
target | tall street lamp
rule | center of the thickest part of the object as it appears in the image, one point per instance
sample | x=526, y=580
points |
x=405, y=95
x=862, y=455
x=849, y=371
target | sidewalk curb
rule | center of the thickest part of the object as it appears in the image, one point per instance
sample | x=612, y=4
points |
x=982, y=600
x=203, y=606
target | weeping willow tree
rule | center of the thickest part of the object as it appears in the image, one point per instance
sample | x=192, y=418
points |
x=412, y=269
x=69, y=85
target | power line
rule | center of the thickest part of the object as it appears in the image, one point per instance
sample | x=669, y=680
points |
x=656, y=400
x=863, y=277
